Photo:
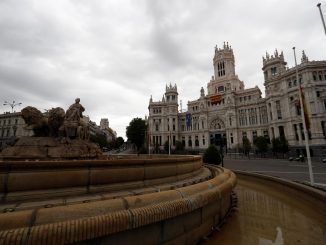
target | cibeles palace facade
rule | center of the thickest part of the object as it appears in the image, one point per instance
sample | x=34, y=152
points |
x=227, y=112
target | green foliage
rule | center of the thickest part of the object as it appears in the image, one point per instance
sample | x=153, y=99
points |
x=261, y=144
x=280, y=145
x=100, y=139
x=157, y=149
x=179, y=147
x=166, y=146
x=143, y=150
x=212, y=155
x=136, y=132
x=246, y=145
x=119, y=142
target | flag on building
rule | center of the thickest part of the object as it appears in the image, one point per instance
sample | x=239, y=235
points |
x=305, y=109
x=215, y=99
x=188, y=119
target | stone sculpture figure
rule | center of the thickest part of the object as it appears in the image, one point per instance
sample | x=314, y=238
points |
x=57, y=122
x=74, y=126
x=75, y=112
x=57, y=135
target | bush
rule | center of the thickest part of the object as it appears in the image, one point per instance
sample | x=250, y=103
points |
x=261, y=144
x=212, y=155
x=143, y=150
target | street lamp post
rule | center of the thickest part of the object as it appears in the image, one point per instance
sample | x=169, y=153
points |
x=12, y=105
x=305, y=131
x=322, y=17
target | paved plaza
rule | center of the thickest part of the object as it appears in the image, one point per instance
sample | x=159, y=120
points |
x=283, y=168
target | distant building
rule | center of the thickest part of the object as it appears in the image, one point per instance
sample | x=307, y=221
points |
x=104, y=123
x=12, y=126
x=103, y=129
x=229, y=112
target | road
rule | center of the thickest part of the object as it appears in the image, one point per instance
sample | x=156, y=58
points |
x=291, y=170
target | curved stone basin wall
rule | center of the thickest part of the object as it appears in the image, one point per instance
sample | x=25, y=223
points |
x=27, y=180
x=181, y=213
x=274, y=211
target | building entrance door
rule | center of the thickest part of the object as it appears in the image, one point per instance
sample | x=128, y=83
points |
x=218, y=139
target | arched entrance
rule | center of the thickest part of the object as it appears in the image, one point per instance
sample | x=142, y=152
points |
x=217, y=133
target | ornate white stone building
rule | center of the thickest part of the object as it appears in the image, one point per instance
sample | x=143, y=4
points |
x=228, y=111
x=12, y=126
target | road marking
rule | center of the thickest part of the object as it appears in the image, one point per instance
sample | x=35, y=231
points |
x=299, y=166
x=281, y=172
x=320, y=184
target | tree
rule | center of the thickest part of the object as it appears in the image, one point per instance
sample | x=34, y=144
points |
x=212, y=155
x=136, y=132
x=280, y=145
x=261, y=144
x=166, y=146
x=246, y=145
x=179, y=147
x=157, y=148
x=100, y=139
x=119, y=142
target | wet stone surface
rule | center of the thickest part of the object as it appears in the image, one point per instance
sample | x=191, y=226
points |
x=266, y=217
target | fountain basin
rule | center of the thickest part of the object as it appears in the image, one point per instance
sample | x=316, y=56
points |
x=160, y=200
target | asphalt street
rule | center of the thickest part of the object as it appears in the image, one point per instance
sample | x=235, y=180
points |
x=291, y=170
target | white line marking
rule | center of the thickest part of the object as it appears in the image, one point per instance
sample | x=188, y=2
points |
x=280, y=172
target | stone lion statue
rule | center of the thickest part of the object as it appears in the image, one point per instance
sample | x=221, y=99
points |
x=57, y=122
x=35, y=121
x=56, y=118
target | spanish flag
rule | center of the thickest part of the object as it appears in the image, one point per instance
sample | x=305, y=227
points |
x=305, y=109
x=215, y=99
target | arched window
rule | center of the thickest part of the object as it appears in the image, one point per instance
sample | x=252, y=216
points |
x=189, y=141
x=196, y=141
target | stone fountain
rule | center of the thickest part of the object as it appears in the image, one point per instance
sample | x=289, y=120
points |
x=68, y=193
x=57, y=135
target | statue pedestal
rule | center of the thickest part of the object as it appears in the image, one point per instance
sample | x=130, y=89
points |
x=48, y=148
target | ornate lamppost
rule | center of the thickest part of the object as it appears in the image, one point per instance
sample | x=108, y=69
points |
x=12, y=105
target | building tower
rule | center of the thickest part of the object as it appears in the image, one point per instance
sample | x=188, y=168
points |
x=223, y=62
x=104, y=123
x=273, y=65
x=171, y=99
x=225, y=79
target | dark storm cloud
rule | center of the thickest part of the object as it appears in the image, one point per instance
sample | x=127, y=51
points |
x=115, y=54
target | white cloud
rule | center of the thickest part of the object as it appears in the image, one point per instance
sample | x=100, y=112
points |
x=115, y=54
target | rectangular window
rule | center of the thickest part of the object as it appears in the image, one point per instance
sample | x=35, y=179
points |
x=301, y=131
x=314, y=75
x=278, y=109
x=298, y=109
x=295, y=131
x=265, y=133
x=244, y=134
x=323, y=127
x=254, y=135
x=281, y=131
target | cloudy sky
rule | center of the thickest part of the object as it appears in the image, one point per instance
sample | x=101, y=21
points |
x=115, y=54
